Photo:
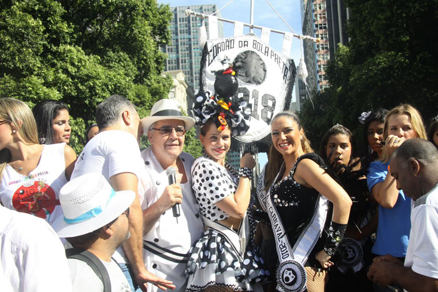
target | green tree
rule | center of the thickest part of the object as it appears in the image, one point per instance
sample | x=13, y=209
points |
x=192, y=144
x=391, y=58
x=82, y=51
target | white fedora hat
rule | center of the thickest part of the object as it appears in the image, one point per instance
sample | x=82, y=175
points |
x=167, y=109
x=89, y=203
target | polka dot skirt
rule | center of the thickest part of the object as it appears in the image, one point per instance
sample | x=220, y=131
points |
x=214, y=262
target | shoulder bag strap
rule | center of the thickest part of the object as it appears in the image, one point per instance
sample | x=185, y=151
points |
x=94, y=263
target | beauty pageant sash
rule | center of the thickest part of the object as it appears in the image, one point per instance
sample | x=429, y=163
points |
x=291, y=275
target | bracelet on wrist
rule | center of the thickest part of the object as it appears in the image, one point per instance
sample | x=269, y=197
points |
x=245, y=172
x=334, y=237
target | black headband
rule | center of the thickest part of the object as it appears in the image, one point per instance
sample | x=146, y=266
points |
x=167, y=113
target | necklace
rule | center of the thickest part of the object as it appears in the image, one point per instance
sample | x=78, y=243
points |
x=16, y=168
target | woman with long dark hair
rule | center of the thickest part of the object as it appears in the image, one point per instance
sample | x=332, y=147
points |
x=338, y=148
x=53, y=122
x=373, y=142
x=432, y=132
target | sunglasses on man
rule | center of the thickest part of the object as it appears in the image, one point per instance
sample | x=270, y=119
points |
x=167, y=130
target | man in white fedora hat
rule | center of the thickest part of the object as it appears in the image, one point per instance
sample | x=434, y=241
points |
x=115, y=153
x=95, y=220
x=168, y=239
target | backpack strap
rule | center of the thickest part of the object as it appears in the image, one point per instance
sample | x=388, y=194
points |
x=94, y=263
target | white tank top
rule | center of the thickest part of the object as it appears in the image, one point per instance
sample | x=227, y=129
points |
x=37, y=193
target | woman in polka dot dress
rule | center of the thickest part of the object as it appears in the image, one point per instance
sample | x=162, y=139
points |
x=223, y=260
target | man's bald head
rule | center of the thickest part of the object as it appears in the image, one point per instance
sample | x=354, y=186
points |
x=413, y=165
x=419, y=149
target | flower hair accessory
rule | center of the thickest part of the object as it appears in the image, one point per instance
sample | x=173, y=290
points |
x=232, y=111
x=224, y=107
x=363, y=117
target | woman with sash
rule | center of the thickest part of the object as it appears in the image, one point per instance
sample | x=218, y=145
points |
x=223, y=259
x=296, y=194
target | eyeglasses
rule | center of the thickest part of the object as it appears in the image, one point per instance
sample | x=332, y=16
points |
x=127, y=211
x=167, y=130
x=4, y=122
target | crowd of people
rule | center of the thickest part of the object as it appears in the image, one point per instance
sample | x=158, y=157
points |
x=123, y=219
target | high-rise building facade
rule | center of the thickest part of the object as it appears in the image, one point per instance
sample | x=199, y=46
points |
x=184, y=52
x=337, y=16
x=325, y=20
x=317, y=54
x=300, y=94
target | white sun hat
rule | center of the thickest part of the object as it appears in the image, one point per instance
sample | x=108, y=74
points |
x=167, y=109
x=89, y=203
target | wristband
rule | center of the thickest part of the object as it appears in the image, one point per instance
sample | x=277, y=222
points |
x=245, y=172
x=334, y=237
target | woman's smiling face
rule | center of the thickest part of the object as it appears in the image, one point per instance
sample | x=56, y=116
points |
x=216, y=143
x=286, y=136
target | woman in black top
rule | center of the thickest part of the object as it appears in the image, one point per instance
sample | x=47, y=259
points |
x=338, y=149
x=295, y=196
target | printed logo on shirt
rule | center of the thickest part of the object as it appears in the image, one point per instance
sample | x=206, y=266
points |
x=30, y=177
x=36, y=198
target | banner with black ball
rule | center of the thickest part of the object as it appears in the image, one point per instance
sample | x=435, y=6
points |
x=265, y=79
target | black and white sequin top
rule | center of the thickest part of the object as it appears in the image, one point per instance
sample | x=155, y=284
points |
x=211, y=183
x=295, y=203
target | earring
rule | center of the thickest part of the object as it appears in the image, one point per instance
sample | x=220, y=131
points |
x=14, y=131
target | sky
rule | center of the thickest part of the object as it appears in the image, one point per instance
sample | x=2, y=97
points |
x=264, y=16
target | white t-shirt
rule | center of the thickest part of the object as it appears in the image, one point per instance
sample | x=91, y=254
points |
x=38, y=192
x=85, y=279
x=32, y=257
x=110, y=153
x=422, y=254
x=170, y=238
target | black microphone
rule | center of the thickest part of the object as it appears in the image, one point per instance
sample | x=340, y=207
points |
x=171, y=174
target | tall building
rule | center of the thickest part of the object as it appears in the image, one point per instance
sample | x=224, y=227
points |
x=300, y=94
x=316, y=55
x=326, y=20
x=184, y=53
x=337, y=16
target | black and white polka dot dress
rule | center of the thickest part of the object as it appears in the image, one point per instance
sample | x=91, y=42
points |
x=213, y=260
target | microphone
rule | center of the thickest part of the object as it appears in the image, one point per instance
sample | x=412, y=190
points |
x=171, y=174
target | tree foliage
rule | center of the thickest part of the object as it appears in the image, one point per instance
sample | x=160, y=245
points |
x=82, y=51
x=391, y=58
x=192, y=143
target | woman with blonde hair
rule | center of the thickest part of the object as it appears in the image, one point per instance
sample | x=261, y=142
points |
x=401, y=123
x=296, y=194
x=31, y=174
